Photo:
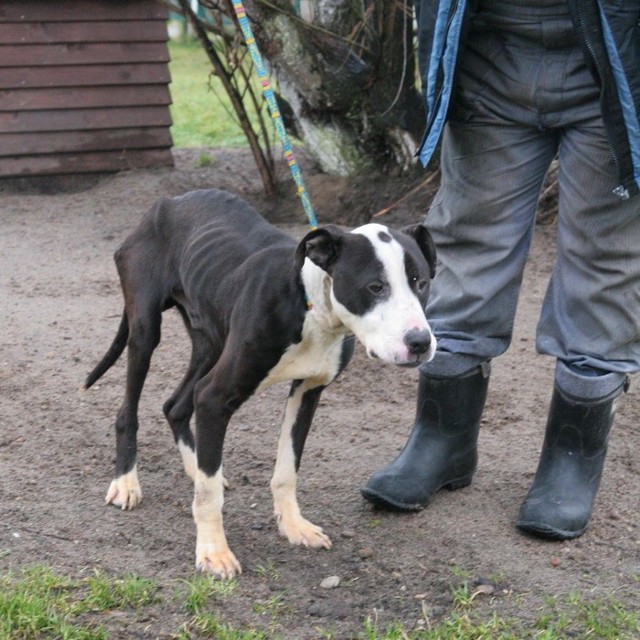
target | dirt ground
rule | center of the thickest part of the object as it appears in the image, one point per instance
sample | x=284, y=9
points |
x=61, y=305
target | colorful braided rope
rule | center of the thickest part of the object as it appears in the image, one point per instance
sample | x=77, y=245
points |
x=274, y=111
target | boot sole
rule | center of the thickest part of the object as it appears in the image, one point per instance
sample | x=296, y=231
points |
x=379, y=500
x=548, y=533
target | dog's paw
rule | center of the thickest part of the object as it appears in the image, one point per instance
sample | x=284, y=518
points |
x=301, y=532
x=125, y=491
x=222, y=564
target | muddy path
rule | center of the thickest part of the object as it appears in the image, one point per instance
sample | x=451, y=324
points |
x=60, y=308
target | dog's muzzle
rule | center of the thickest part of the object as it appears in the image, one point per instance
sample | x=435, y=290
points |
x=418, y=341
x=419, y=347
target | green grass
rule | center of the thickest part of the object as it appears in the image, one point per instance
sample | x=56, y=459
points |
x=561, y=619
x=39, y=603
x=201, y=589
x=202, y=595
x=201, y=111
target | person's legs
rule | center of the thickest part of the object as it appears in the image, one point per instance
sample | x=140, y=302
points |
x=590, y=322
x=559, y=503
x=590, y=316
x=515, y=99
x=482, y=221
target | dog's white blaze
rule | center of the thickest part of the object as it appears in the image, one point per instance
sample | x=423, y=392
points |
x=212, y=550
x=383, y=328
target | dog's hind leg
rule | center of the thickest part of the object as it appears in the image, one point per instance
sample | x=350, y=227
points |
x=144, y=336
x=300, y=408
x=178, y=409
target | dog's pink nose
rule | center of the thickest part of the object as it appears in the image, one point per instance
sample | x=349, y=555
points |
x=418, y=341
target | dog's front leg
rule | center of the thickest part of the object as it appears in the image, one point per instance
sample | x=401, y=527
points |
x=213, y=554
x=214, y=408
x=301, y=406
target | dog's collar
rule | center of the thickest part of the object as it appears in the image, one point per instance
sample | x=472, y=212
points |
x=308, y=301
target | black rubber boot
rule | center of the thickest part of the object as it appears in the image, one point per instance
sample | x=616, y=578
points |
x=559, y=503
x=442, y=448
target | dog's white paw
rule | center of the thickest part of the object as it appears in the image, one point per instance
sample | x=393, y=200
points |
x=222, y=564
x=301, y=532
x=125, y=491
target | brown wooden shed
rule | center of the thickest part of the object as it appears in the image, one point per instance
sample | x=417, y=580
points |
x=83, y=86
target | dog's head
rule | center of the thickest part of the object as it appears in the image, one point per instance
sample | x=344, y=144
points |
x=379, y=283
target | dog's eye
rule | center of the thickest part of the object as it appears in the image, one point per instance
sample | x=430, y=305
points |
x=376, y=287
x=420, y=284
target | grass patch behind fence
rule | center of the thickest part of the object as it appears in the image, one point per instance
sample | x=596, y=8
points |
x=39, y=603
x=201, y=111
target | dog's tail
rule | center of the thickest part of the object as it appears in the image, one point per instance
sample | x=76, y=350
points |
x=114, y=352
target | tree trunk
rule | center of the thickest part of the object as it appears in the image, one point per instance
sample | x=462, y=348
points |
x=346, y=80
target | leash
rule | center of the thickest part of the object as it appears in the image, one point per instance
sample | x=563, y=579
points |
x=274, y=110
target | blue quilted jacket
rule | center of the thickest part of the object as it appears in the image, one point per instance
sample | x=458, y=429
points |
x=610, y=38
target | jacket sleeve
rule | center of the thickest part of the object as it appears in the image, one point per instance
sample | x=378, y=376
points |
x=439, y=32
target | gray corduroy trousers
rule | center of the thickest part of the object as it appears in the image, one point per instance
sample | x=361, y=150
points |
x=520, y=102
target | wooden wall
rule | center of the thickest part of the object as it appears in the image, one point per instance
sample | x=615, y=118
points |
x=83, y=86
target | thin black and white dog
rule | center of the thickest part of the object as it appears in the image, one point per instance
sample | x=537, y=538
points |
x=260, y=309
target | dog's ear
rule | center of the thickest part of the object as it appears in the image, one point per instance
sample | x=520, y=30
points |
x=321, y=246
x=424, y=240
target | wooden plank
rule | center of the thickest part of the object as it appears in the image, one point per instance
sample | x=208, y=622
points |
x=82, y=119
x=89, y=31
x=76, y=53
x=83, y=75
x=87, y=97
x=83, y=86
x=72, y=10
x=27, y=144
x=85, y=162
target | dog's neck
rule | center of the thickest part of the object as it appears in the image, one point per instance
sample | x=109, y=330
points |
x=317, y=287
